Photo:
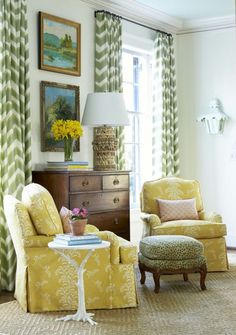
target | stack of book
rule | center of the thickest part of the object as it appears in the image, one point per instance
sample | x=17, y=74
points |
x=68, y=239
x=64, y=166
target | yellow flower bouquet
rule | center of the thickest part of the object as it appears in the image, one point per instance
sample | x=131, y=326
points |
x=67, y=130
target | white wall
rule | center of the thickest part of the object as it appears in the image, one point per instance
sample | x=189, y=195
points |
x=206, y=68
x=77, y=11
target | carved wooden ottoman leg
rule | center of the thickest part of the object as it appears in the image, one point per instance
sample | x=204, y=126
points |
x=156, y=277
x=185, y=275
x=143, y=275
x=203, y=273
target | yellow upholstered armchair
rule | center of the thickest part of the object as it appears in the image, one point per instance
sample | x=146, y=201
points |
x=205, y=227
x=45, y=281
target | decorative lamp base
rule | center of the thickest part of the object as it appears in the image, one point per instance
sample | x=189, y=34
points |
x=105, y=145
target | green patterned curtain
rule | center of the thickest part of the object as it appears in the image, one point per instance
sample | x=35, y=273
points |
x=15, y=123
x=166, y=115
x=108, y=64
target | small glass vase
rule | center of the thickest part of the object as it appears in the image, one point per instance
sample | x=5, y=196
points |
x=68, y=149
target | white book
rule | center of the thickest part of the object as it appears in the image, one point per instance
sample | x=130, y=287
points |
x=70, y=237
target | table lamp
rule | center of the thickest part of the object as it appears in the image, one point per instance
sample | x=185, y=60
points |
x=104, y=111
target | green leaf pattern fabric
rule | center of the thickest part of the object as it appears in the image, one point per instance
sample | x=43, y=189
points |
x=165, y=80
x=15, y=123
x=108, y=64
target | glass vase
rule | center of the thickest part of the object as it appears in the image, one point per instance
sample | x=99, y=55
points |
x=68, y=149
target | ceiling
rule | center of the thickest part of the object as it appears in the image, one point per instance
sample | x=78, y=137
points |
x=174, y=16
x=192, y=9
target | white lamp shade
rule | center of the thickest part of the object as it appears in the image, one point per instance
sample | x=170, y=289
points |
x=106, y=108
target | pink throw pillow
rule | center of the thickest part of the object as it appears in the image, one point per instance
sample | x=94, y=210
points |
x=177, y=209
x=65, y=218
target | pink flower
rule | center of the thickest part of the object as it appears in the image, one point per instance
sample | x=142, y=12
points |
x=79, y=213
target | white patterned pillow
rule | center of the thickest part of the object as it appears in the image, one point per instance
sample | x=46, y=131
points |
x=65, y=214
x=177, y=209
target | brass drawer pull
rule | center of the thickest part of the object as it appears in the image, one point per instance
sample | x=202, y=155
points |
x=116, y=221
x=116, y=200
x=85, y=203
x=85, y=182
x=116, y=181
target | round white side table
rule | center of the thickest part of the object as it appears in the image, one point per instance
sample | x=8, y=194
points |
x=81, y=314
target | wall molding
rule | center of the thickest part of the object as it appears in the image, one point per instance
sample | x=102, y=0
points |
x=207, y=24
x=155, y=19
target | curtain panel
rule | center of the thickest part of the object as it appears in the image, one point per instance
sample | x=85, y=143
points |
x=108, y=64
x=15, y=123
x=165, y=116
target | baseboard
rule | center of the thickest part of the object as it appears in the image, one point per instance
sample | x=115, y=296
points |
x=231, y=242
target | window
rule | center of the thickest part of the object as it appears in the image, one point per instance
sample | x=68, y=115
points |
x=137, y=89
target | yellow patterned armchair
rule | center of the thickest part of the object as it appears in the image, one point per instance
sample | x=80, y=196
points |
x=45, y=281
x=207, y=228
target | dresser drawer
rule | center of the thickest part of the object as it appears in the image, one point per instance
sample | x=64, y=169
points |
x=85, y=183
x=115, y=182
x=117, y=221
x=100, y=201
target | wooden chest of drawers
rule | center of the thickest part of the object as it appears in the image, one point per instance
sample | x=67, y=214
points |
x=104, y=194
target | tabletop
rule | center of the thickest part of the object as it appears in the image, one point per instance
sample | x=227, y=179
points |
x=104, y=244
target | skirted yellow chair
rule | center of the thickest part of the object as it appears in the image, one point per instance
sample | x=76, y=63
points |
x=206, y=227
x=44, y=280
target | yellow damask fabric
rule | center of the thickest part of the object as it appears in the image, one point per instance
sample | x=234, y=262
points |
x=128, y=252
x=210, y=216
x=22, y=213
x=45, y=281
x=209, y=229
x=42, y=210
x=215, y=252
x=169, y=189
x=193, y=228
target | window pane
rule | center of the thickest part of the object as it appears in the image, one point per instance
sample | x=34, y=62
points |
x=127, y=67
x=128, y=156
x=129, y=130
x=138, y=136
x=128, y=93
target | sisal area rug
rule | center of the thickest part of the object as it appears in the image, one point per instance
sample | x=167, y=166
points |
x=180, y=308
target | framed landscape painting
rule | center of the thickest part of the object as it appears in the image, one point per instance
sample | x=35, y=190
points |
x=57, y=102
x=59, y=44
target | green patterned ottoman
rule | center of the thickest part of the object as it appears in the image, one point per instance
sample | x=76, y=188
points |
x=170, y=254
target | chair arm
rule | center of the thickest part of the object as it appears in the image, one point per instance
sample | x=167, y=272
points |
x=128, y=252
x=114, y=244
x=150, y=221
x=37, y=241
x=89, y=228
x=210, y=216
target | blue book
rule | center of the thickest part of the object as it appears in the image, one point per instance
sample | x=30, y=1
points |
x=76, y=242
x=68, y=163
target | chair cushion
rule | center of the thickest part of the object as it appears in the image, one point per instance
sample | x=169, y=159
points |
x=42, y=210
x=170, y=247
x=18, y=220
x=177, y=209
x=172, y=265
x=194, y=228
x=24, y=220
x=170, y=188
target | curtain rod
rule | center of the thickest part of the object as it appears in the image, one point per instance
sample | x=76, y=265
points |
x=135, y=22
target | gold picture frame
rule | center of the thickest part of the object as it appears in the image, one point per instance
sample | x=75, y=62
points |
x=57, y=101
x=59, y=45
